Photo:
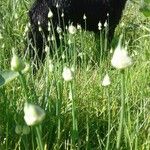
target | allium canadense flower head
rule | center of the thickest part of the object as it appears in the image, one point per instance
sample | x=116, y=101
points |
x=50, y=14
x=59, y=30
x=72, y=29
x=120, y=59
x=106, y=80
x=33, y=114
x=50, y=66
x=67, y=74
x=84, y=17
x=16, y=63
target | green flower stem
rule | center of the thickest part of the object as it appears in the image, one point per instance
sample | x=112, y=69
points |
x=24, y=84
x=32, y=137
x=25, y=142
x=39, y=138
x=101, y=46
x=87, y=132
x=58, y=107
x=105, y=43
x=4, y=96
x=74, y=118
x=120, y=130
x=109, y=119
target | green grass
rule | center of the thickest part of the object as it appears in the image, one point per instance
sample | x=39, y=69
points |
x=92, y=114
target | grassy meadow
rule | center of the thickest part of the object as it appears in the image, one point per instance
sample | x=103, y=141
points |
x=81, y=113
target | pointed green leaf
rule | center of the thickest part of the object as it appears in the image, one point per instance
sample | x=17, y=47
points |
x=7, y=76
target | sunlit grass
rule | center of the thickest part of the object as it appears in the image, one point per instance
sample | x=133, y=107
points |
x=81, y=113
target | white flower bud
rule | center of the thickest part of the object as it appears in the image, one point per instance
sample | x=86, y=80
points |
x=63, y=56
x=99, y=26
x=79, y=27
x=33, y=114
x=105, y=24
x=67, y=74
x=72, y=29
x=57, y=5
x=120, y=59
x=52, y=38
x=40, y=29
x=46, y=48
x=48, y=38
x=16, y=63
x=50, y=14
x=59, y=30
x=51, y=66
x=69, y=41
x=39, y=23
x=62, y=15
x=106, y=80
x=84, y=17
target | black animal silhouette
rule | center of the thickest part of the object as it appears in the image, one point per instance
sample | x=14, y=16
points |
x=95, y=10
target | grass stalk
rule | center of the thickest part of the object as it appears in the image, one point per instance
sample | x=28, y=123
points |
x=24, y=85
x=121, y=121
x=39, y=138
x=74, y=118
x=109, y=119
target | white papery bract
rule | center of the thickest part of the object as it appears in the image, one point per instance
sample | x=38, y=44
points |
x=33, y=114
x=120, y=59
